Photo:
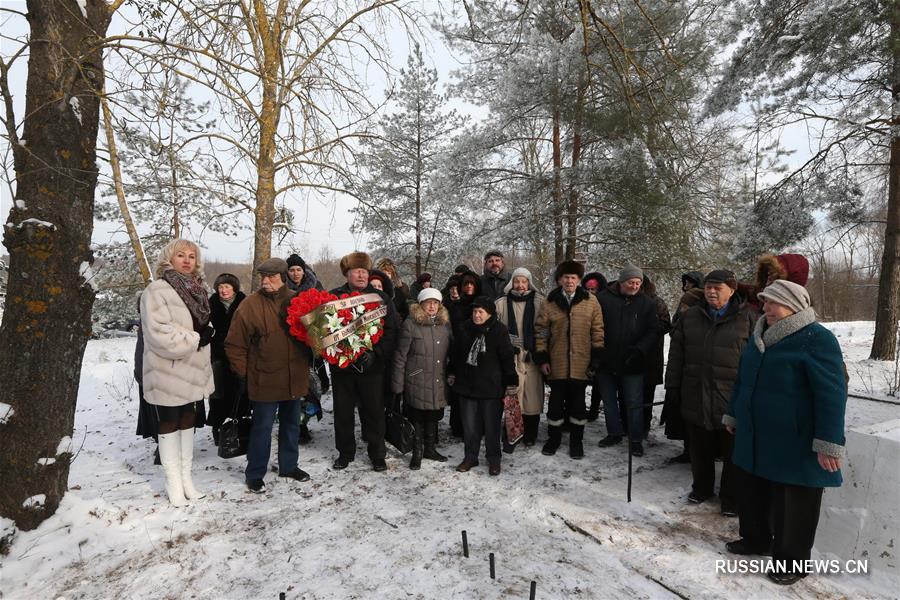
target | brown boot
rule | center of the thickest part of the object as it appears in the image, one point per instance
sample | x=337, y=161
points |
x=494, y=469
x=465, y=466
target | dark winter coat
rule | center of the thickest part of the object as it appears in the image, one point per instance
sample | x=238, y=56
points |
x=461, y=310
x=653, y=366
x=421, y=358
x=788, y=402
x=220, y=318
x=630, y=330
x=568, y=336
x=692, y=297
x=260, y=349
x=384, y=349
x=703, y=360
x=496, y=368
x=492, y=285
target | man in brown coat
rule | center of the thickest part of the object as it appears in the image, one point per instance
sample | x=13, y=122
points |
x=568, y=332
x=275, y=368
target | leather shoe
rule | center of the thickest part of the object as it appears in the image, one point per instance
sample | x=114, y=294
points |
x=681, y=459
x=744, y=548
x=728, y=509
x=298, y=474
x=698, y=498
x=465, y=466
x=637, y=449
x=610, y=440
x=341, y=462
x=785, y=578
x=257, y=486
x=379, y=465
x=494, y=469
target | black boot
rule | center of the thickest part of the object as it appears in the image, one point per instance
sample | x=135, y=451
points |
x=305, y=437
x=576, y=447
x=415, y=463
x=594, y=410
x=156, y=460
x=531, y=423
x=431, y=437
x=554, y=439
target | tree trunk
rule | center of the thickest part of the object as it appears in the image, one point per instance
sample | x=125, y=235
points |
x=133, y=236
x=419, y=194
x=47, y=321
x=572, y=209
x=884, y=345
x=558, y=252
x=269, y=31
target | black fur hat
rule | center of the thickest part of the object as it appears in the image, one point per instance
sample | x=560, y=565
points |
x=228, y=278
x=569, y=267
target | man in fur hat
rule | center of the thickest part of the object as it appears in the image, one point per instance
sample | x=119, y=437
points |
x=363, y=382
x=568, y=333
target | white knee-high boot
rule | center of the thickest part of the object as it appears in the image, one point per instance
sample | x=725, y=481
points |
x=187, y=459
x=170, y=457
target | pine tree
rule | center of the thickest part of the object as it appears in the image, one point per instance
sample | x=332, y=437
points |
x=400, y=205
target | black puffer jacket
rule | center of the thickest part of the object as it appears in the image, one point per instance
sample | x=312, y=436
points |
x=496, y=368
x=631, y=328
x=220, y=318
x=704, y=358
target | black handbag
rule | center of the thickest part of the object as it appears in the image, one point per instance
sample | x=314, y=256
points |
x=398, y=431
x=234, y=434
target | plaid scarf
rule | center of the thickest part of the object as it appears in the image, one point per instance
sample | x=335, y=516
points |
x=191, y=291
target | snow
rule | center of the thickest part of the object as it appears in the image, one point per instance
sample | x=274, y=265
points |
x=6, y=413
x=76, y=104
x=38, y=223
x=20, y=204
x=35, y=501
x=87, y=273
x=46, y=461
x=64, y=446
x=359, y=534
x=82, y=4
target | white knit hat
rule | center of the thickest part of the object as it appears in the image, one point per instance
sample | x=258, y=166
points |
x=520, y=272
x=788, y=293
x=429, y=293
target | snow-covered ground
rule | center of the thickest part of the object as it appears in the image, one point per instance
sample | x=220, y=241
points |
x=359, y=534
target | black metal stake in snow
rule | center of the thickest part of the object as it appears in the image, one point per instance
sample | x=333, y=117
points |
x=628, y=410
x=491, y=558
x=281, y=596
x=533, y=591
x=465, y=544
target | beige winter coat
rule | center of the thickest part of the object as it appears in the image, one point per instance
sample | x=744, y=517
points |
x=531, y=381
x=175, y=371
x=567, y=336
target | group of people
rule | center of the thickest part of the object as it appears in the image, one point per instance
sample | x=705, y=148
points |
x=751, y=377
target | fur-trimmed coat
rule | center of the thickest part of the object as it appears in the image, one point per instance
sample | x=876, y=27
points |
x=418, y=370
x=175, y=371
x=788, y=402
x=567, y=336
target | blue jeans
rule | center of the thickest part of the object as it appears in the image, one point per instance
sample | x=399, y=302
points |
x=259, y=447
x=482, y=417
x=632, y=388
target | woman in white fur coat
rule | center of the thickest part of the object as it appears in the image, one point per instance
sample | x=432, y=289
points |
x=177, y=372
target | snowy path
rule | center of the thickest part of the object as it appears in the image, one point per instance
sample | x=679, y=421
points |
x=358, y=534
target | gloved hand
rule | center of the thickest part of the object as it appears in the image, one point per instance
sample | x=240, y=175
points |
x=545, y=368
x=517, y=350
x=206, y=336
x=512, y=390
x=365, y=361
x=593, y=367
x=451, y=379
